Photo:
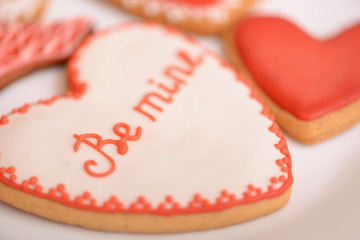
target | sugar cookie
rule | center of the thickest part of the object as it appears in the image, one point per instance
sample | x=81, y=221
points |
x=311, y=86
x=153, y=136
x=198, y=16
x=25, y=48
x=21, y=10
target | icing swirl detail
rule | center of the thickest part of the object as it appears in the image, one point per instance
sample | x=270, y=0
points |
x=121, y=145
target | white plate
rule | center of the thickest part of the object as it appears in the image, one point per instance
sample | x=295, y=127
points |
x=325, y=203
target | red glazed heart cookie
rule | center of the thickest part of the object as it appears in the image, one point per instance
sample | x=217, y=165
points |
x=25, y=48
x=154, y=136
x=199, y=16
x=312, y=86
x=21, y=10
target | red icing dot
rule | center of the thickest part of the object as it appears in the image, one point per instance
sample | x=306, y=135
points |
x=25, y=184
x=4, y=120
x=282, y=178
x=198, y=202
x=113, y=199
x=140, y=205
x=196, y=2
x=197, y=197
x=225, y=197
x=11, y=170
x=61, y=187
x=78, y=200
x=86, y=195
x=274, y=180
x=284, y=151
x=246, y=195
x=281, y=144
x=33, y=180
x=169, y=204
x=279, y=162
x=113, y=203
x=141, y=199
x=169, y=199
x=38, y=188
x=273, y=128
x=286, y=160
x=24, y=109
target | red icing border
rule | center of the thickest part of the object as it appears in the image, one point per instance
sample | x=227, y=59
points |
x=141, y=205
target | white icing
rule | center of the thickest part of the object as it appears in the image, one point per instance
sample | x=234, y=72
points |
x=176, y=12
x=152, y=9
x=212, y=137
x=12, y=10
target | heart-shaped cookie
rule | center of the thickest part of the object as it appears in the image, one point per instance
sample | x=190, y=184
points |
x=25, y=48
x=157, y=134
x=199, y=16
x=311, y=85
x=21, y=10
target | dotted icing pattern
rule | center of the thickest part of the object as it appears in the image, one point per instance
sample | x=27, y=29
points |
x=22, y=45
x=169, y=206
x=180, y=10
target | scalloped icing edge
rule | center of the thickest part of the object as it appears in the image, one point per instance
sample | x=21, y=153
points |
x=169, y=206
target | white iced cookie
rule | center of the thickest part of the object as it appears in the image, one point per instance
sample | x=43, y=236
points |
x=199, y=16
x=21, y=10
x=156, y=134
